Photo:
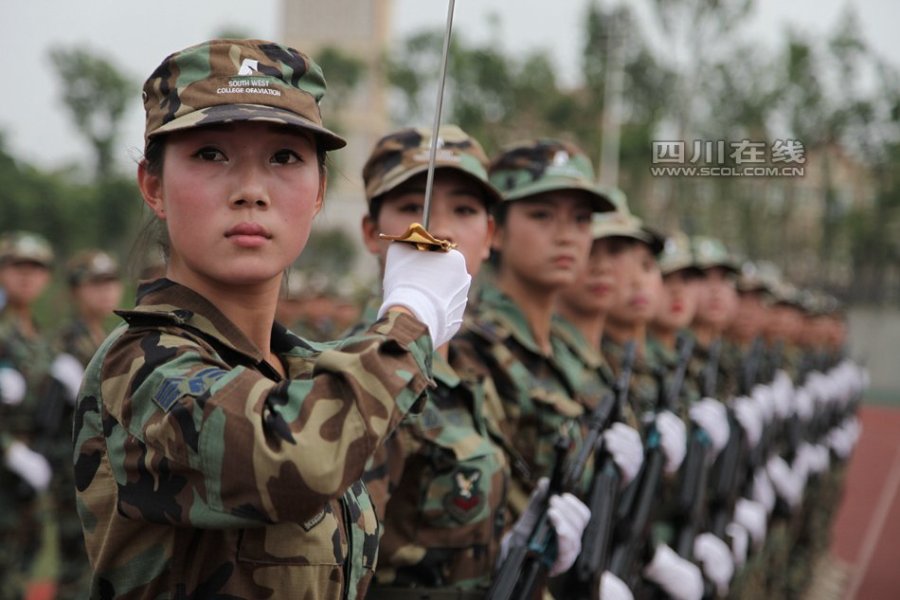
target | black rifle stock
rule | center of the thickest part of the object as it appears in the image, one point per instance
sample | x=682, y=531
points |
x=595, y=543
x=525, y=567
x=634, y=529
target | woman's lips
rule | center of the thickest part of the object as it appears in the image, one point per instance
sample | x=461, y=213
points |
x=248, y=235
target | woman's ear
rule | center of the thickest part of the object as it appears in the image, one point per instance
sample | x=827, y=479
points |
x=151, y=189
x=323, y=187
x=497, y=237
x=491, y=227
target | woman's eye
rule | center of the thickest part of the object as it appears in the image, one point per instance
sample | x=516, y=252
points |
x=285, y=157
x=539, y=215
x=210, y=154
x=411, y=208
x=466, y=210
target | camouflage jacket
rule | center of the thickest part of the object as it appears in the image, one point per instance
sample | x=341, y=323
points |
x=598, y=377
x=644, y=391
x=32, y=357
x=722, y=378
x=539, y=392
x=75, y=338
x=200, y=471
x=440, y=481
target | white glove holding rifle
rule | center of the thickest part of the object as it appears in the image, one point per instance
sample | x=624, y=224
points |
x=679, y=578
x=717, y=561
x=12, y=386
x=32, y=467
x=626, y=448
x=568, y=515
x=672, y=439
x=613, y=588
x=711, y=416
x=434, y=286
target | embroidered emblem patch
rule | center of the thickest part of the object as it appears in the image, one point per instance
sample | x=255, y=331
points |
x=466, y=498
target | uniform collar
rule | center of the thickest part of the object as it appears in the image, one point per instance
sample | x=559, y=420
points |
x=166, y=300
x=507, y=314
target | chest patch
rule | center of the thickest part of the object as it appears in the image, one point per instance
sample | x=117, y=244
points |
x=466, y=498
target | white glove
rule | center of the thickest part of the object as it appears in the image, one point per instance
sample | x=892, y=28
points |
x=783, y=392
x=433, y=285
x=740, y=541
x=712, y=417
x=715, y=556
x=804, y=461
x=679, y=578
x=626, y=448
x=750, y=416
x=569, y=517
x=762, y=491
x=762, y=396
x=803, y=401
x=12, y=386
x=672, y=439
x=819, y=459
x=842, y=439
x=751, y=516
x=29, y=465
x=68, y=371
x=785, y=482
x=613, y=588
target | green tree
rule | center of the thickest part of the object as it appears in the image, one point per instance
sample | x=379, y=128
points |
x=96, y=93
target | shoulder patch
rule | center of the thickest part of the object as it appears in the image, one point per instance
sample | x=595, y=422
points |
x=175, y=387
x=168, y=393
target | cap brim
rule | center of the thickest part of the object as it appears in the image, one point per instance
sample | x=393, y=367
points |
x=233, y=113
x=599, y=202
x=705, y=266
x=492, y=195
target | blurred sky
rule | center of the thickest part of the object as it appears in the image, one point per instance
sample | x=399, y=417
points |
x=137, y=35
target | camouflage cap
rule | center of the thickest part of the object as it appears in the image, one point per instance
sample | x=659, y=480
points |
x=752, y=278
x=91, y=265
x=222, y=81
x=621, y=223
x=787, y=294
x=710, y=253
x=403, y=154
x=538, y=166
x=24, y=246
x=676, y=254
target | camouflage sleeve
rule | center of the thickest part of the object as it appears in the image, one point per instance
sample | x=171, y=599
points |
x=386, y=467
x=234, y=447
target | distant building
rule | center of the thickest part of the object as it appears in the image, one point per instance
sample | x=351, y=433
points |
x=360, y=28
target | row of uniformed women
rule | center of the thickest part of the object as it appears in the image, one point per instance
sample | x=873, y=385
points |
x=216, y=453
x=40, y=371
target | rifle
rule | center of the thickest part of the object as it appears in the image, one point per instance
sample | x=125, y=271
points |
x=526, y=565
x=729, y=472
x=634, y=528
x=691, y=497
x=598, y=533
x=48, y=418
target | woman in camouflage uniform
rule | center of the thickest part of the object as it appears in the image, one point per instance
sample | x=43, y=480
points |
x=441, y=480
x=216, y=454
x=30, y=435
